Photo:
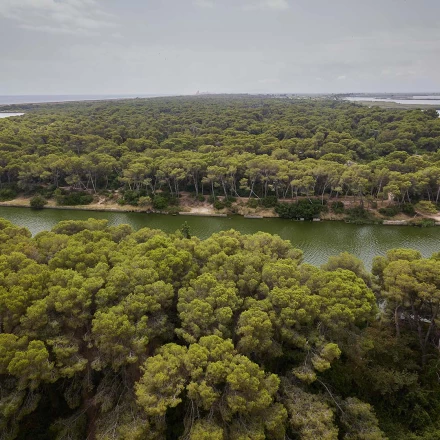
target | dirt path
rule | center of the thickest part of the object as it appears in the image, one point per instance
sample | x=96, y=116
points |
x=435, y=217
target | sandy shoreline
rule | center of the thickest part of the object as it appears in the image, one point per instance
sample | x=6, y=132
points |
x=199, y=210
x=186, y=207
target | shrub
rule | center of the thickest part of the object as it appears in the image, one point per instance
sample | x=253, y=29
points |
x=72, y=198
x=253, y=203
x=38, y=202
x=144, y=201
x=427, y=222
x=186, y=230
x=269, y=201
x=227, y=201
x=218, y=204
x=173, y=210
x=389, y=211
x=338, y=207
x=423, y=222
x=306, y=209
x=131, y=197
x=427, y=207
x=160, y=202
x=408, y=208
x=200, y=198
x=7, y=194
x=45, y=191
x=359, y=215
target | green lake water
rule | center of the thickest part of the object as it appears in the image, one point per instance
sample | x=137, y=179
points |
x=318, y=240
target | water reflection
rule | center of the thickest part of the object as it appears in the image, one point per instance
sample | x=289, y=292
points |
x=319, y=241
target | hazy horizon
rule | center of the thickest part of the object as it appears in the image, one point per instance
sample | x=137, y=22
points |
x=152, y=95
x=179, y=47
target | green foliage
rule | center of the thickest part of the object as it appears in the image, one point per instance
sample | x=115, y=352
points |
x=218, y=204
x=160, y=203
x=7, y=194
x=338, y=207
x=309, y=414
x=144, y=201
x=100, y=302
x=186, y=230
x=255, y=147
x=65, y=198
x=306, y=209
x=147, y=329
x=359, y=215
x=131, y=197
x=237, y=392
x=432, y=113
x=115, y=334
x=390, y=211
x=408, y=209
x=423, y=222
x=359, y=421
x=228, y=201
x=349, y=262
x=426, y=207
x=38, y=202
x=269, y=201
x=253, y=203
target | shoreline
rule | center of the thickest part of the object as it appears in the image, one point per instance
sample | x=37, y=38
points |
x=202, y=211
x=79, y=208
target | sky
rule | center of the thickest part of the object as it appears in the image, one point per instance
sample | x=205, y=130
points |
x=218, y=46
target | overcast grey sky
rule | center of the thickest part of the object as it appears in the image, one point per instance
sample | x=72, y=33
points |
x=181, y=46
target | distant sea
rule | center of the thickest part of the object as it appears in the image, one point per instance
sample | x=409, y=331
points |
x=34, y=99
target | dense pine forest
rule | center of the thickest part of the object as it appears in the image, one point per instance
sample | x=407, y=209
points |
x=107, y=333
x=146, y=152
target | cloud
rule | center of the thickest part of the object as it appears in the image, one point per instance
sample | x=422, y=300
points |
x=341, y=77
x=204, y=3
x=77, y=17
x=269, y=81
x=275, y=5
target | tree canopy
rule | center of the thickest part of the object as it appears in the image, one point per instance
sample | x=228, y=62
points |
x=229, y=146
x=111, y=333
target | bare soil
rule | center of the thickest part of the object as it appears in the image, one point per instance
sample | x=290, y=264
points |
x=188, y=204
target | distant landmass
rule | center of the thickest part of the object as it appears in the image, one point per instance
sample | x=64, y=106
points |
x=34, y=99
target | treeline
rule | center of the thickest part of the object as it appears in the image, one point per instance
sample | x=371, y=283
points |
x=107, y=333
x=223, y=146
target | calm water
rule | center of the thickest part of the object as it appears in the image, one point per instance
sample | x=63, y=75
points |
x=8, y=115
x=413, y=101
x=318, y=240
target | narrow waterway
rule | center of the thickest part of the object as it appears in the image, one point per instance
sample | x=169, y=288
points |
x=318, y=240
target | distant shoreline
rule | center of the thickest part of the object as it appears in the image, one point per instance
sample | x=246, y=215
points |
x=6, y=100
